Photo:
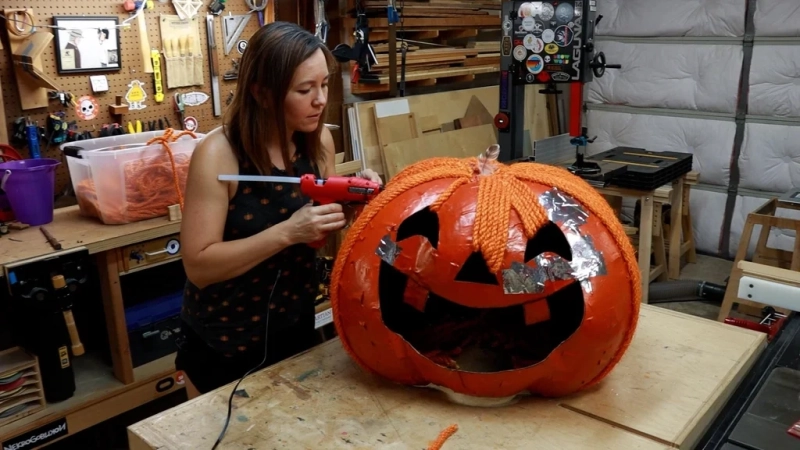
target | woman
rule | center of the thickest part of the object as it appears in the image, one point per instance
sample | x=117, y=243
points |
x=244, y=244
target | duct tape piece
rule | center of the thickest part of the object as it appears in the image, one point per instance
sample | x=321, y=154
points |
x=524, y=279
x=387, y=250
x=587, y=262
x=563, y=209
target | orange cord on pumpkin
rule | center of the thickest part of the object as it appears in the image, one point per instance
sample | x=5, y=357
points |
x=499, y=193
x=151, y=185
x=443, y=436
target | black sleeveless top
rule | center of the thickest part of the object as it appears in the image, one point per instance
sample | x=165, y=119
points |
x=231, y=315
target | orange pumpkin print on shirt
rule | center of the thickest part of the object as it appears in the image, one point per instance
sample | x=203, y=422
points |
x=487, y=280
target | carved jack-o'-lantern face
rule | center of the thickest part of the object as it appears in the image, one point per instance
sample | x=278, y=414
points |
x=487, y=284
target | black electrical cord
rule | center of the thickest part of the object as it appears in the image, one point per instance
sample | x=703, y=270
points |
x=263, y=361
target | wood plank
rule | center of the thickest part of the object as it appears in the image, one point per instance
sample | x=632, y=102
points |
x=672, y=388
x=412, y=75
x=447, y=107
x=669, y=382
x=459, y=143
x=72, y=230
x=467, y=22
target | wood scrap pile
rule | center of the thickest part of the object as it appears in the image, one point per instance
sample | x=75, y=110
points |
x=406, y=136
x=447, y=41
x=390, y=134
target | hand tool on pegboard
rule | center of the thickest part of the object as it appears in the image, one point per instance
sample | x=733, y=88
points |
x=258, y=6
x=156, y=60
x=232, y=28
x=180, y=108
x=138, y=8
x=213, y=66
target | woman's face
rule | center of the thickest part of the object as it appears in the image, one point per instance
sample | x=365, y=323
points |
x=308, y=94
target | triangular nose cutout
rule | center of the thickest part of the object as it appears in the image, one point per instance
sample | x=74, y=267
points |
x=475, y=270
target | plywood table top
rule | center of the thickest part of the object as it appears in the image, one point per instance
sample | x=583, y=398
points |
x=676, y=375
x=74, y=231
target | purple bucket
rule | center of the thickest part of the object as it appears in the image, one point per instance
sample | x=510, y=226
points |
x=29, y=185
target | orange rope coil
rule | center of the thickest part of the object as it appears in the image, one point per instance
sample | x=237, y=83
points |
x=151, y=185
x=499, y=193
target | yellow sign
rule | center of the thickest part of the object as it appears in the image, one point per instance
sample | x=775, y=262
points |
x=551, y=48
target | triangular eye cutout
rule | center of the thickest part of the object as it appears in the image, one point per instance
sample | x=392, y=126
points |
x=475, y=270
x=422, y=223
x=550, y=238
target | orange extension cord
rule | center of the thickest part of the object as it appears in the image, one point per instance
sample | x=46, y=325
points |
x=151, y=185
x=498, y=194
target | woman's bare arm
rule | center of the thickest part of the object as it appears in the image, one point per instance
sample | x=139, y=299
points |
x=206, y=258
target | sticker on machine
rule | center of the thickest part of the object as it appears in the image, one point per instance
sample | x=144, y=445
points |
x=534, y=44
x=564, y=13
x=528, y=23
x=560, y=76
x=538, y=28
x=563, y=36
x=548, y=35
x=529, y=9
x=535, y=64
x=547, y=11
x=551, y=49
x=520, y=53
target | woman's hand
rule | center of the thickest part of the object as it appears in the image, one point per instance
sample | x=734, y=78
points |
x=312, y=223
x=371, y=175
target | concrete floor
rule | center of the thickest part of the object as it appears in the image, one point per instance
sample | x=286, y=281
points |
x=707, y=268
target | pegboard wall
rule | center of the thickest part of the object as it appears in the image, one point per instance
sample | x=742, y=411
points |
x=132, y=68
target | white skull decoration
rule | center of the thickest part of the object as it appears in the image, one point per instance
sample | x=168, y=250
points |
x=86, y=107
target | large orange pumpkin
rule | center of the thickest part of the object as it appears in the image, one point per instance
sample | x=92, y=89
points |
x=487, y=280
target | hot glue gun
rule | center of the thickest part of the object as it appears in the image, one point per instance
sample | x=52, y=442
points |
x=322, y=191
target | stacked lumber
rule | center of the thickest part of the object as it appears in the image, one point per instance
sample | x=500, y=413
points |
x=392, y=133
x=447, y=41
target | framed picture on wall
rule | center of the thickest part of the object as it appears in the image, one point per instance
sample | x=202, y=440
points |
x=87, y=44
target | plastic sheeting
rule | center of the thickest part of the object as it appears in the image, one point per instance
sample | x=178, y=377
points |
x=672, y=18
x=708, y=210
x=776, y=18
x=770, y=159
x=775, y=79
x=692, y=77
x=710, y=141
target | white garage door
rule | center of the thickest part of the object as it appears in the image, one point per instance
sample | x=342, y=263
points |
x=716, y=78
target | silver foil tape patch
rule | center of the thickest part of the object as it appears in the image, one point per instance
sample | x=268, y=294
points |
x=587, y=262
x=563, y=209
x=524, y=279
x=387, y=249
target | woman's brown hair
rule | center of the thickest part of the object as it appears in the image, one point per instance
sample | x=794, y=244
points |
x=268, y=64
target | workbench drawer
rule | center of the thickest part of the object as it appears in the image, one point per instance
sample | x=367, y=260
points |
x=150, y=252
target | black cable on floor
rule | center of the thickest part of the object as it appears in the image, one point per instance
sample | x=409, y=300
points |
x=263, y=361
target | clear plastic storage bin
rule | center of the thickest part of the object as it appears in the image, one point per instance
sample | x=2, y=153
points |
x=130, y=182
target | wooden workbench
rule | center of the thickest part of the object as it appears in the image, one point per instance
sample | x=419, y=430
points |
x=676, y=375
x=101, y=391
x=73, y=231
